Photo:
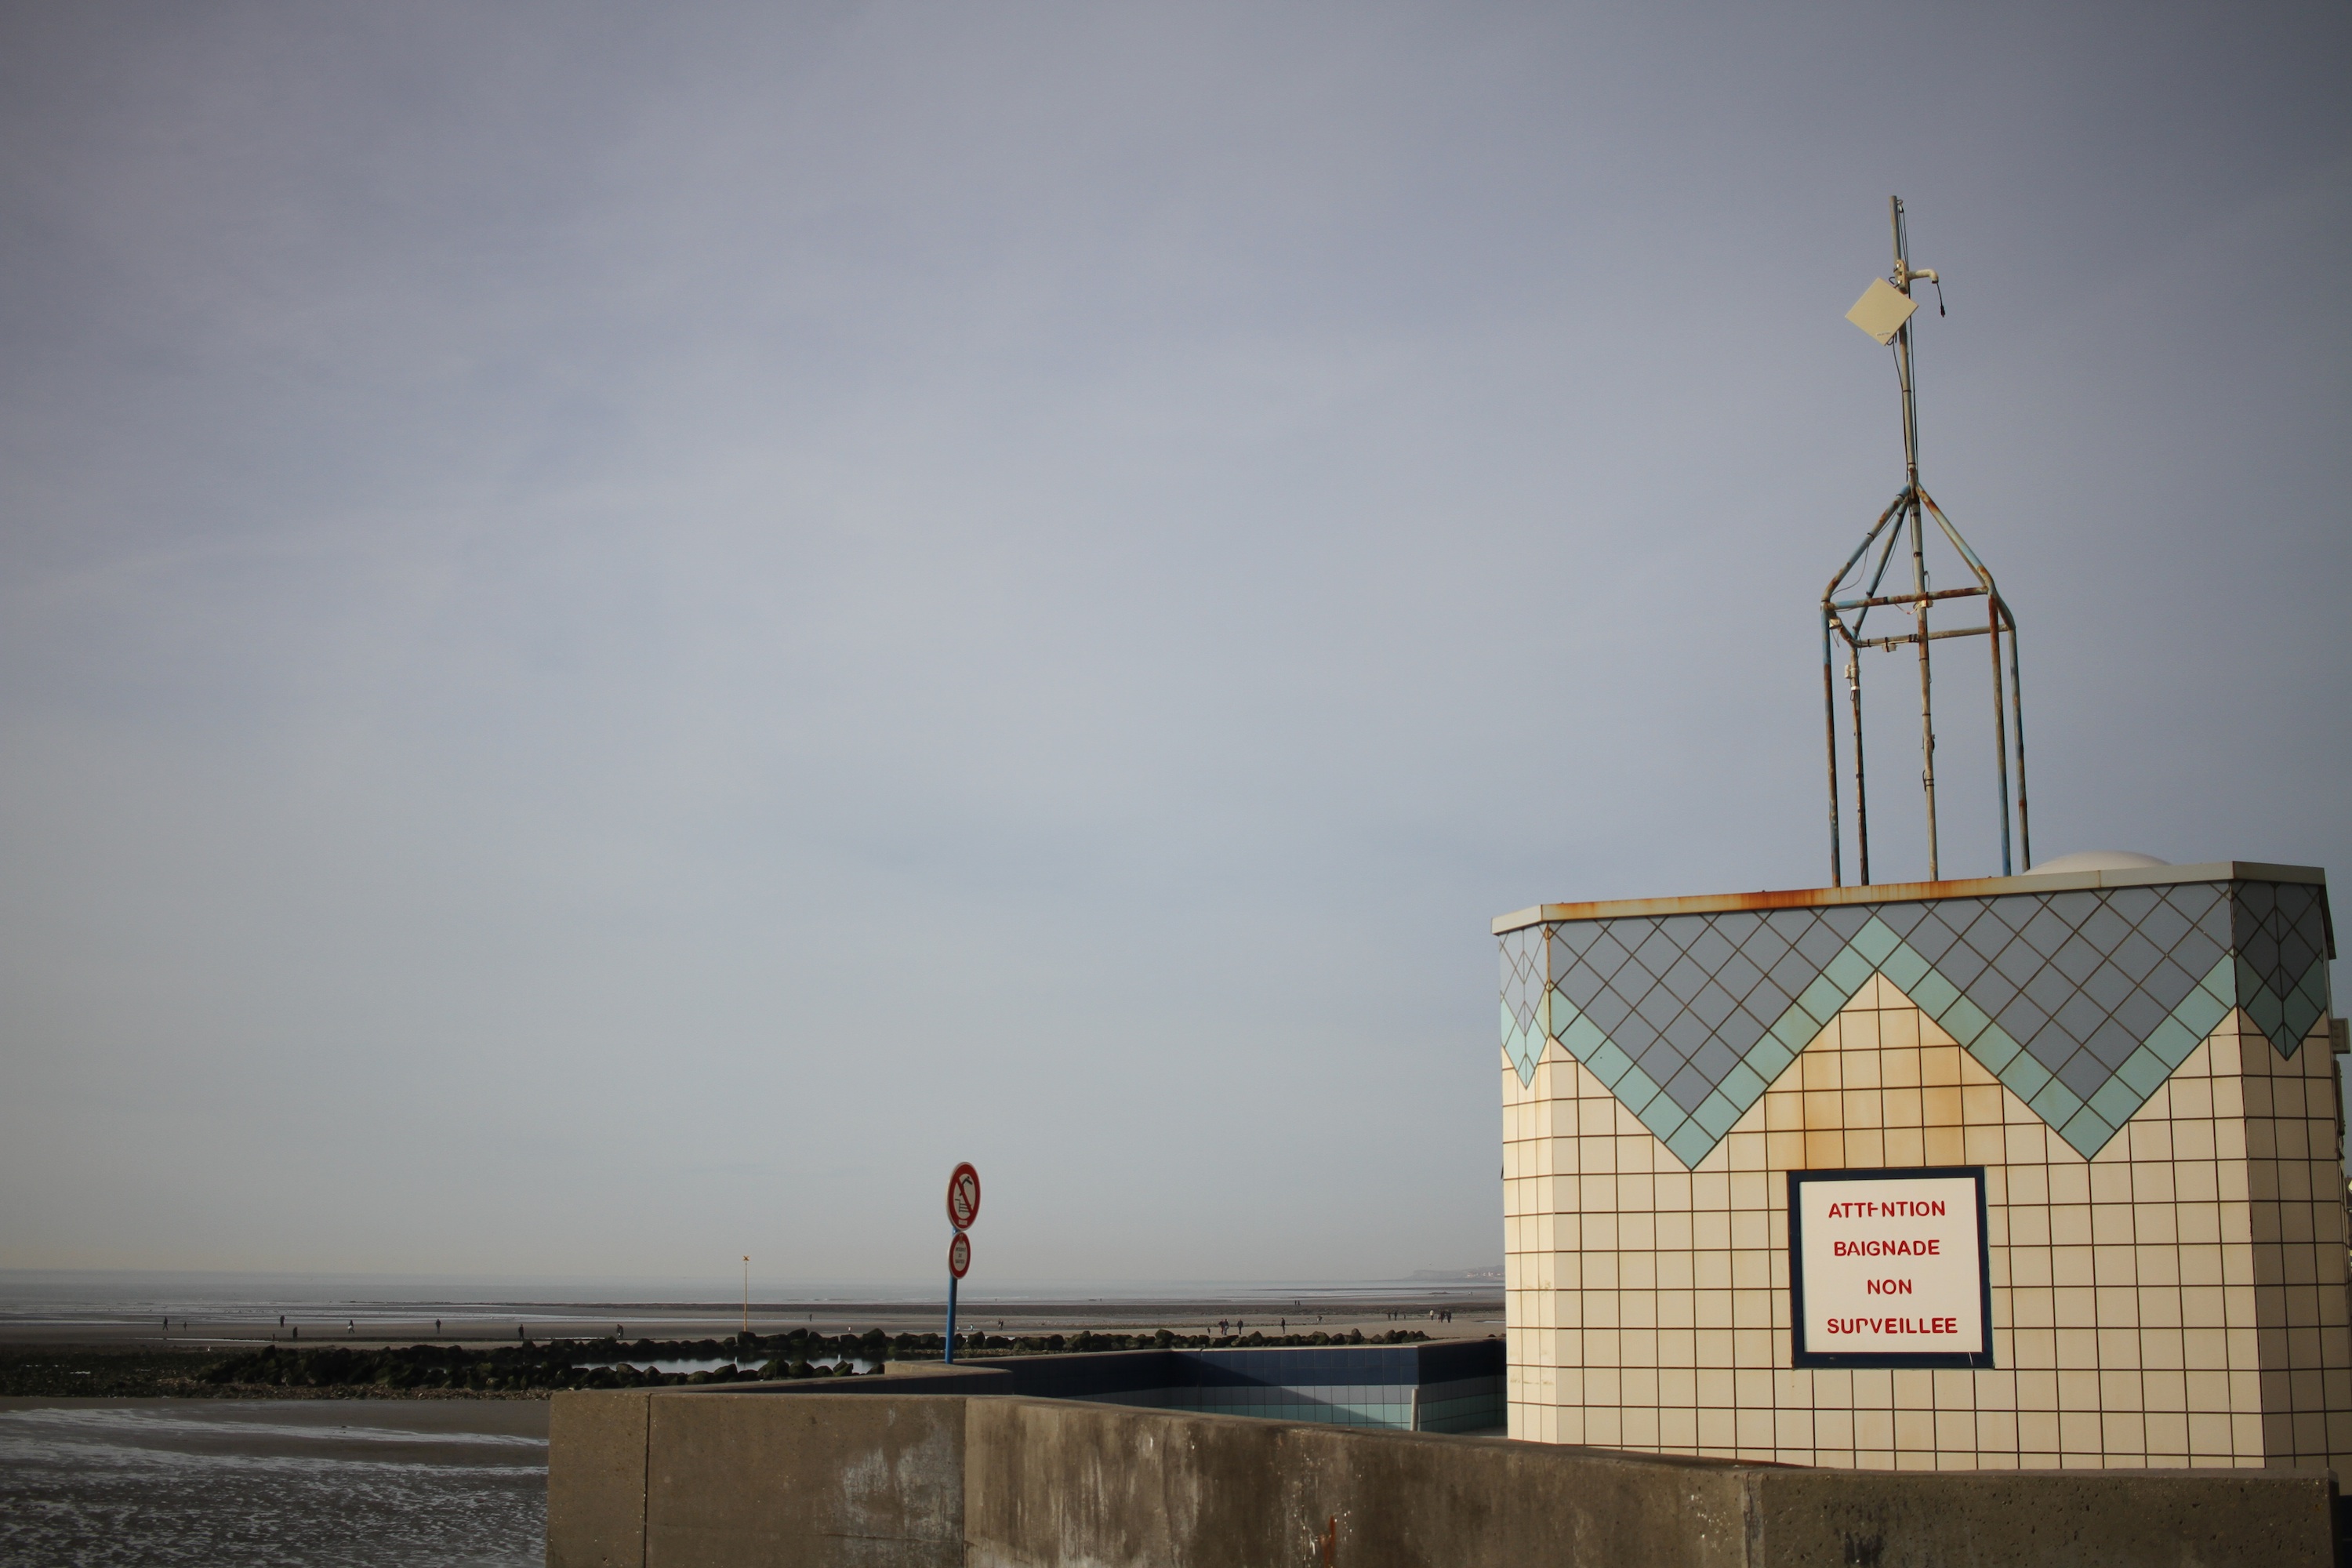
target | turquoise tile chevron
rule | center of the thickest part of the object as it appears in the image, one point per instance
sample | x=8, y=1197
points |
x=2081, y=1002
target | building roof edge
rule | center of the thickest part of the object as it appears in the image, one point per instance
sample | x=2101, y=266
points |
x=1911, y=892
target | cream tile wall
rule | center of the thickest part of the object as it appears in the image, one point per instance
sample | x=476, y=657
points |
x=2179, y=1300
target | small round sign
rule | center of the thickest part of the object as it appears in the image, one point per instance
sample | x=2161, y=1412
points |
x=964, y=1196
x=959, y=1255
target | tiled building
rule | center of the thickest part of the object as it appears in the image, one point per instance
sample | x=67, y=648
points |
x=2139, y=1061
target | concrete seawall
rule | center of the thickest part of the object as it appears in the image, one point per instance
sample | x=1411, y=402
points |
x=666, y=1479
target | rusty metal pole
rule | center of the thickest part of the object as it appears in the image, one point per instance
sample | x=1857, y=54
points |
x=1829, y=716
x=1854, y=684
x=1903, y=275
x=1999, y=725
x=1926, y=697
x=1860, y=781
x=1830, y=616
x=2017, y=706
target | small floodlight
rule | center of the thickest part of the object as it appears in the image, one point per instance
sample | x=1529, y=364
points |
x=1882, y=309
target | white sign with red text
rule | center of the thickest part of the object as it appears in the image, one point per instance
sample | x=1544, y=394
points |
x=1889, y=1265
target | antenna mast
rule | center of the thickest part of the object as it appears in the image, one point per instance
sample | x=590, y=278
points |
x=1884, y=311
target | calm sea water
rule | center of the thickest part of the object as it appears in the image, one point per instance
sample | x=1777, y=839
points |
x=302, y=1484
x=394, y=1303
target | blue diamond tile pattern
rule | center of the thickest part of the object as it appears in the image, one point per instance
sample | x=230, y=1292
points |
x=1527, y=1005
x=2080, y=1002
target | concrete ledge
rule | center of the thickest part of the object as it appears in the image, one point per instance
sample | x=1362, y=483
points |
x=903, y=1377
x=667, y=1480
x=2091, y=1519
x=1436, y=1385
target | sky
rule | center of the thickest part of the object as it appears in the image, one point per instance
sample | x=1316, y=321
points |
x=624, y=631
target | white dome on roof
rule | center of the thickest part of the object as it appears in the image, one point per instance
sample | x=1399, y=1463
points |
x=2096, y=860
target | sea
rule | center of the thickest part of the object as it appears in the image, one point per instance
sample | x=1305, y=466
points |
x=457, y=1483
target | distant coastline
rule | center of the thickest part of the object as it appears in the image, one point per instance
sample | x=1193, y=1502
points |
x=534, y=1370
x=137, y=1289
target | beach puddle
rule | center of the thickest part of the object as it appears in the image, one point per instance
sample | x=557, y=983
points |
x=712, y=1363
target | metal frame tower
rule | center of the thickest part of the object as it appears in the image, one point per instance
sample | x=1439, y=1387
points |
x=1884, y=311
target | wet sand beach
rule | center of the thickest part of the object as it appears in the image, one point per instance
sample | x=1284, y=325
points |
x=97, y=1483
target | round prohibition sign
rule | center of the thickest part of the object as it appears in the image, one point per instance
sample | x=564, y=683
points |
x=964, y=1196
x=959, y=1255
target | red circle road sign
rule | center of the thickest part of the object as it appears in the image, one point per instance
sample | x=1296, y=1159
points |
x=964, y=1196
x=959, y=1255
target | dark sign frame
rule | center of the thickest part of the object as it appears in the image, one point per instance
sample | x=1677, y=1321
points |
x=1803, y=1357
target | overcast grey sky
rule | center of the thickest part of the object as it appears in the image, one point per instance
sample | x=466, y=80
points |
x=624, y=630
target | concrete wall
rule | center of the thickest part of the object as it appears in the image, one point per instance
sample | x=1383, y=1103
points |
x=716, y=1480
x=830, y=1481
x=1050, y=1482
